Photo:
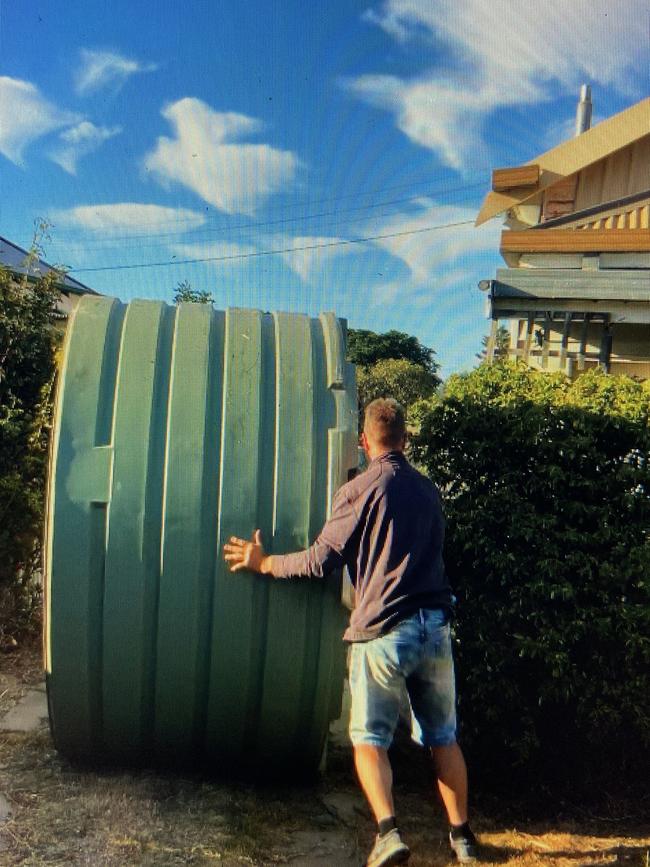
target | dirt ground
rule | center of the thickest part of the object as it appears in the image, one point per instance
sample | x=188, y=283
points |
x=52, y=813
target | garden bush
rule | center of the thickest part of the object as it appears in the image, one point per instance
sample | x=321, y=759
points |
x=395, y=377
x=546, y=486
x=27, y=368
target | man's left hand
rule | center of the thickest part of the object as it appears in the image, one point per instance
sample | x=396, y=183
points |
x=241, y=554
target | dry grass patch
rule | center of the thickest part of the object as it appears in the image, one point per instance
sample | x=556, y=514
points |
x=62, y=815
x=66, y=815
x=526, y=843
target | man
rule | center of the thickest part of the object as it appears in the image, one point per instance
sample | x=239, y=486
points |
x=387, y=528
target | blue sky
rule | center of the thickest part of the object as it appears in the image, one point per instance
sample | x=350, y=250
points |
x=326, y=156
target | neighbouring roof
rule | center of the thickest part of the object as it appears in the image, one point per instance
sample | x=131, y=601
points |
x=15, y=258
x=572, y=156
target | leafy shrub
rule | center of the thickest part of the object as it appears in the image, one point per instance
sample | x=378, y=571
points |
x=547, y=492
x=27, y=366
x=405, y=381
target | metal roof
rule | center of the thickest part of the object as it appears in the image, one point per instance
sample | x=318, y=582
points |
x=17, y=260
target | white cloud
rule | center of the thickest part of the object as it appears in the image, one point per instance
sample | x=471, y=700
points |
x=431, y=256
x=499, y=54
x=390, y=20
x=102, y=68
x=129, y=218
x=26, y=115
x=208, y=157
x=512, y=37
x=386, y=294
x=439, y=115
x=79, y=141
x=308, y=262
x=416, y=295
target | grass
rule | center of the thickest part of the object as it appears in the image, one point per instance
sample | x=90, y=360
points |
x=65, y=815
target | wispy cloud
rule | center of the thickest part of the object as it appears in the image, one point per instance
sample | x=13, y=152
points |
x=439, y=115
x=129, y=218
x=431, y=256
x=431, y=278
x=25, y=115
x=313, y=260
x=208, y=156
x=100, y=69
x=499, y=54
x=221, y=252
x=304, y=262
x=78, y=142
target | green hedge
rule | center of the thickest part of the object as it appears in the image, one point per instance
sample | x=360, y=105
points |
x=547, y=492
x=27, y=366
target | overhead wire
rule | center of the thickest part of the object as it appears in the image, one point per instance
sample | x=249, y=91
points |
x=248, y=237
x=260, y=253
x=107, y=241
x=284, y=206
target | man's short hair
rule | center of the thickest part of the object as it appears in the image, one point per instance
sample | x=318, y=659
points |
x=385, y=422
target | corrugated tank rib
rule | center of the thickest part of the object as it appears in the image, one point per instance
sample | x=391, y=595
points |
x=175, y=428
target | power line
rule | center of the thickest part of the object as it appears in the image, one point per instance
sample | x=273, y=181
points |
x=207, y=231
x=260, y=253
x=226, y=228
x=200, y=230
x=308, y=204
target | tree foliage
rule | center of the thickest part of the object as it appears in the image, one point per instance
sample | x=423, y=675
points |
x=367, y=348
x=547, y=493
x=393, y=364
x=405, y=381
x=501, y=344
x=184, y=294
x=27, y=369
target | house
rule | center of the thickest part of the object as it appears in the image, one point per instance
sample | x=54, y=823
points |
x=576, y=289
x=22, y=264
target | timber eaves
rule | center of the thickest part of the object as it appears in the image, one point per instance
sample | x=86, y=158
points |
x=571, y=241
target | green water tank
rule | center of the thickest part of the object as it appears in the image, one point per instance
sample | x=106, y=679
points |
x=175, y=428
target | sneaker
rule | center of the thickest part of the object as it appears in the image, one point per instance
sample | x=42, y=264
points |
x=388, y=850
x=464, y=848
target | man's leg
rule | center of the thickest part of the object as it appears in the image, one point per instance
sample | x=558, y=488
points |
x=376, y=778
x=451, y=772
x=376, y=681
x=432, y=693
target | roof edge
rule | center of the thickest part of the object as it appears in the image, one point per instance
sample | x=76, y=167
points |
x=68, y=283
x=575, y=154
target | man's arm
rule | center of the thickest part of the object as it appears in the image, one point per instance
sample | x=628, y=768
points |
x=326, y=554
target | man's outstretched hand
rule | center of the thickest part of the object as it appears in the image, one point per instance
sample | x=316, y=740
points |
x=240, y=554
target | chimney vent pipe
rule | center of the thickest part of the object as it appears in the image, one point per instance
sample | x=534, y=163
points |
x=583, y=115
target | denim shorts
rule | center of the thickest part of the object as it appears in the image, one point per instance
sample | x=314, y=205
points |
x=416, y=655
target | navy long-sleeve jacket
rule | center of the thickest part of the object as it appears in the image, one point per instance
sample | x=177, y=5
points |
x=387, y=527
